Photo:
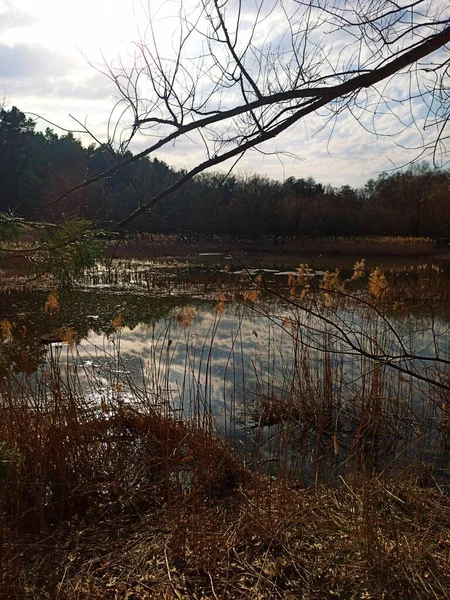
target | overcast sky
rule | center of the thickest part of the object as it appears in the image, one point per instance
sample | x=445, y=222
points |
x=48, y=53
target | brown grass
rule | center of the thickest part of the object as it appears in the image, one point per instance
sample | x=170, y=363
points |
x=379, y=539
x=158, y=245
x=117, y=500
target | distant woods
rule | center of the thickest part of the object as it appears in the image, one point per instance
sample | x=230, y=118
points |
x=36, y=168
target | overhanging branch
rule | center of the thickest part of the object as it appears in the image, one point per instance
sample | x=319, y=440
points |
x=323, y=96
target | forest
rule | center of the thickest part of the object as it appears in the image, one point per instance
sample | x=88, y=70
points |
x=38, y=167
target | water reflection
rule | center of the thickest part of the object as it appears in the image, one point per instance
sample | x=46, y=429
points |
x=296, y=392
x=281, y=385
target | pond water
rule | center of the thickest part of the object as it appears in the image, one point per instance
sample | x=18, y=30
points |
x=196, y=338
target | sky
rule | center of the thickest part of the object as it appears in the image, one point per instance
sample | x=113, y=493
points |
x=54, y=53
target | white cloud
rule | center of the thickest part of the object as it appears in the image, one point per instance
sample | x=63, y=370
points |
x=25, y=61
x=43, y=69
x=11, y=17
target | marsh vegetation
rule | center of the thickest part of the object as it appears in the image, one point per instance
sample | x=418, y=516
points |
x=198, y=428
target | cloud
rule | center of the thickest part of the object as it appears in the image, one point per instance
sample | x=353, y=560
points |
x=11, y=17
x=96, y=87
x=25, y=60
x=93, y=88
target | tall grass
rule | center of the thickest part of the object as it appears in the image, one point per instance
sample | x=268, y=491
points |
x=157, y=245
x=236, y=503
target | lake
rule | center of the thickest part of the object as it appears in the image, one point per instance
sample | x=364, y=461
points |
x=225, y=338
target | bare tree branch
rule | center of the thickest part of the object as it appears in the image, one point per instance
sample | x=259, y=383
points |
x=287, y=107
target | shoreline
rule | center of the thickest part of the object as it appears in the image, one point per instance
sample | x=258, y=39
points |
x=160, y=246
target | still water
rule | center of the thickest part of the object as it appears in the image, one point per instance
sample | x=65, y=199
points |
x=193, y=338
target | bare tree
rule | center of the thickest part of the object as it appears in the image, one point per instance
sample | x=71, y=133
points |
x=235, y=74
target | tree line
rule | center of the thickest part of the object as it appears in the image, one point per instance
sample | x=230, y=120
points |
x=37, y=167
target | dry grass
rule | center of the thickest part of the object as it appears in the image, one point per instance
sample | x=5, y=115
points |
x=379, y=539
x=114, y=502
x=159, y=245
x=425, y=283
x=117, y=500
